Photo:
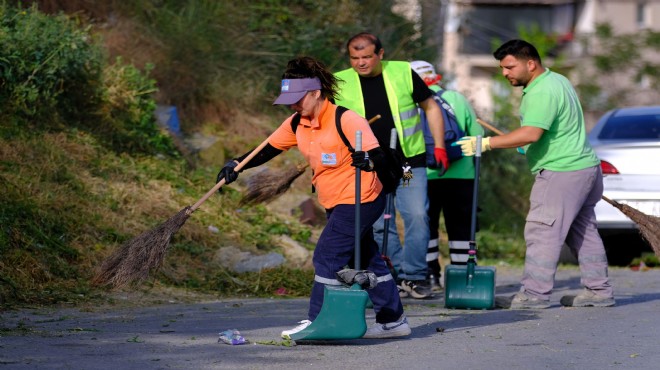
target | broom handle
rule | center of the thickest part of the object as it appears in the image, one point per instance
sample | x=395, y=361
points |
x=374, y=119
x=222, y=182
x=489, y=126
x=612, y=202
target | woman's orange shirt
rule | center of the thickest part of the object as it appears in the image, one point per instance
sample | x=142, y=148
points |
x=327, y=155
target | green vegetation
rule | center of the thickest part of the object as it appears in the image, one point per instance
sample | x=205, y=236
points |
x=224, y=54
x=77, y=178
x=647, y=259
x=631, y=56
x=48, y=65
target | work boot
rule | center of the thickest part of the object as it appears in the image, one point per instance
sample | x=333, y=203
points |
x=416, y=288
x=286, y=334
x=399, y=328
x=586, y=298
x=521, y=301
x=434, y=283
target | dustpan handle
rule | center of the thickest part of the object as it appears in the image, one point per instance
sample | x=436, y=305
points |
x=358, y=195
x=475, y=190
x=388, y=200
x=472, y=252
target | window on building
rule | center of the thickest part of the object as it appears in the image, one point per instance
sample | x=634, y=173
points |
x=642, y=10
x=485, y=24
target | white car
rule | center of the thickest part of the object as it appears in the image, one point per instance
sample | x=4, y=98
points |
x=627, y=141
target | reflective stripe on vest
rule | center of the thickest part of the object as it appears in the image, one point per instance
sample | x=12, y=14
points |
x=397, y=77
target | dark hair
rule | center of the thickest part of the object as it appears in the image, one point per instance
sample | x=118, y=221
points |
x=308, y=67
x=371, y=38
x=519, y=49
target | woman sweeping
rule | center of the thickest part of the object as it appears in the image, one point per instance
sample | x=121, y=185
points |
x=308, y=89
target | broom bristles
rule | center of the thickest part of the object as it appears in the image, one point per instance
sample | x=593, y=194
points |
x=133, y=261
x=267, y=185
x=649, y=226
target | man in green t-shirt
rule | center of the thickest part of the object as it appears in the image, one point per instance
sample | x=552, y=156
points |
x=567, y=186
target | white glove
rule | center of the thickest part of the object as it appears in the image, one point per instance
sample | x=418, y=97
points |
x=469, y=145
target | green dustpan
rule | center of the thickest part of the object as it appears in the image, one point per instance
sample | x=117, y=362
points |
x=341, y=316
x=342, y=313
x=471, y=286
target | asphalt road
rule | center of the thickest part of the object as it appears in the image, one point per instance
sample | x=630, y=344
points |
x=185, y=335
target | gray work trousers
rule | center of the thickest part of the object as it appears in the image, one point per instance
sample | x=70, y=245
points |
x=562, y=211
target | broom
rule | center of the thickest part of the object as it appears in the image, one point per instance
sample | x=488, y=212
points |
x=133, y=261
x=649, y=226
x=267, y=185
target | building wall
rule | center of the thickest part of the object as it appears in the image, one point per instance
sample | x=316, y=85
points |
x=473, y=74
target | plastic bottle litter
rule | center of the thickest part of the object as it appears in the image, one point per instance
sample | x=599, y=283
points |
x=232, y=337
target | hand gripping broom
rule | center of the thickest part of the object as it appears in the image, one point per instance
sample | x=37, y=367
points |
x=133, y=261
x=649, y=226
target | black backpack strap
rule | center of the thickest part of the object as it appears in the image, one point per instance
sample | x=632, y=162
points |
x=338, y=113
x=295, y=121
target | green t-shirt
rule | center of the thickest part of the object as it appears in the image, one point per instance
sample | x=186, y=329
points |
x=551, y=103
x=467, y=121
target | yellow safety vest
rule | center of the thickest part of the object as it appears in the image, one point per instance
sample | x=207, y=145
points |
x=398, y=86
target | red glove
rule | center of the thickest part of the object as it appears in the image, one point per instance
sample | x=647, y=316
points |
x=440, y=155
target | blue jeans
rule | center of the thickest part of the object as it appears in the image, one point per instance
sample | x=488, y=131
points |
x=412, y=203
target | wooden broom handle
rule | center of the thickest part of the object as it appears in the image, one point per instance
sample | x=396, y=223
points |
x=374, y=119
x=222, y=182
x=489, y=126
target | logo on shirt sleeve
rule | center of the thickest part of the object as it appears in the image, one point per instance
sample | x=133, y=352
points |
x=329, y=159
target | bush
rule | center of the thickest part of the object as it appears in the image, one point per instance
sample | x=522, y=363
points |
x=49, y=68
x=128, y=120
x=54, y=74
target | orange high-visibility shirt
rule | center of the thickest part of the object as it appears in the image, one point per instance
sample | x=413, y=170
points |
x=328, y=156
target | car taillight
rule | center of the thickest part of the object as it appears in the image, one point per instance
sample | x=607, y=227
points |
x=608, y=168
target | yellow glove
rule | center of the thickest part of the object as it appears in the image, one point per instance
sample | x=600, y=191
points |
x=469, y=145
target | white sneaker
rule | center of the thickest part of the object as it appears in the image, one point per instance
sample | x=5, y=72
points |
x=286, y=334
x=394, y=329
